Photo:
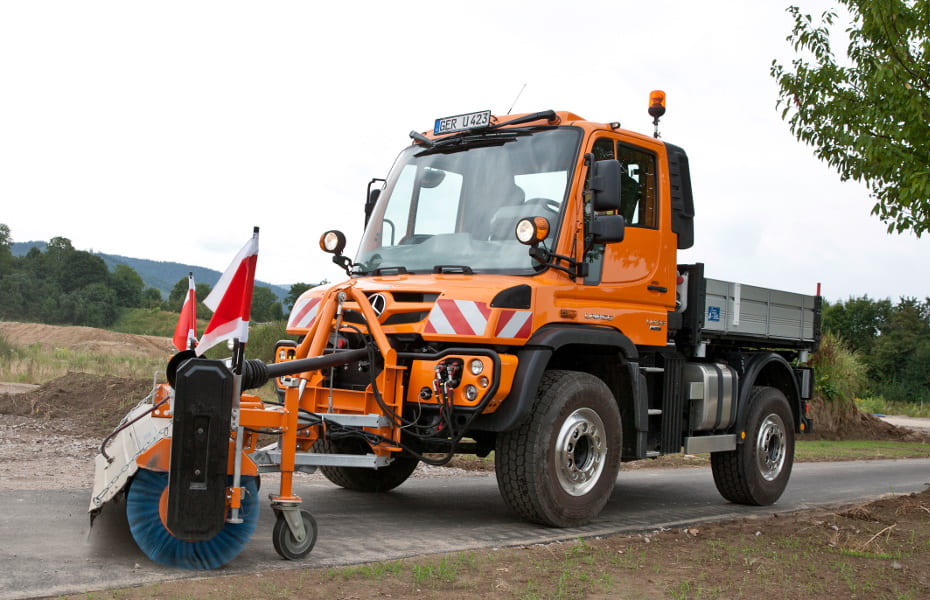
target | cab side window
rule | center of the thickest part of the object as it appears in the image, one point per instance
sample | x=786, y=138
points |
x=639, y=197
x=603, y=149
x=638, y=189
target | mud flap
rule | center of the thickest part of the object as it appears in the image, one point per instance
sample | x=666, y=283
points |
x=199, y=450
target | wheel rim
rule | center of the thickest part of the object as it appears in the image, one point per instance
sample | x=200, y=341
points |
x=580, y=451
x=284, y=542
x=770, y=447
x=302, y=546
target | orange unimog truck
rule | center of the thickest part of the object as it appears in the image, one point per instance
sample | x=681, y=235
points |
x=516, y=291
x=519, y=278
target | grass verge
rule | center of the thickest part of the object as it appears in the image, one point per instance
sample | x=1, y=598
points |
x=38, y=364
x=878, y=405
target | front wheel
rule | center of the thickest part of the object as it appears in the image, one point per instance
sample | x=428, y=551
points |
x=362, y=479
x=286, y=545
x=560, y=466
x=757, y=472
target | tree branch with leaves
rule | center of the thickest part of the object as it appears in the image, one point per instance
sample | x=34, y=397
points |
x=867, y=116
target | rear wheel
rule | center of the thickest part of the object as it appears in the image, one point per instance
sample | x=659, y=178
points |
x=560, y=466
x=362, y=479
x=757, y=471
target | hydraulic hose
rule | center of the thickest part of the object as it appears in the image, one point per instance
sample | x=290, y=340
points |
x=256, y=373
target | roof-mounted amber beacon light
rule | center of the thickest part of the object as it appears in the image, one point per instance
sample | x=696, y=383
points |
x=656, y=108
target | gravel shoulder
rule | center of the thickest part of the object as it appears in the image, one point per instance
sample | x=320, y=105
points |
x=908, y=422
x=50, y=454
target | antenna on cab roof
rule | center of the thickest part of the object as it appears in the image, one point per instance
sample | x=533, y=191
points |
x=520, y=93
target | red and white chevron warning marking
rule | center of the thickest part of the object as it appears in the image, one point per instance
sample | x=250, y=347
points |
x=514, y=324
x=459, y=317
x=303, y=313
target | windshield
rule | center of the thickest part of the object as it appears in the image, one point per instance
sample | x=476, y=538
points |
x=456, y=205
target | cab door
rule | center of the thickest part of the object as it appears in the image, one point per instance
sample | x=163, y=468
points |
x=641, y=268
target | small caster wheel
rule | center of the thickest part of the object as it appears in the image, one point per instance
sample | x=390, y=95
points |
x=284, y=543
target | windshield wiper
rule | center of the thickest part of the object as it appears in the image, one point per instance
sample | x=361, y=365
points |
x=475, y=139
x=399, y=270
x=461, y=269
x=359, y=271
x=548, y=115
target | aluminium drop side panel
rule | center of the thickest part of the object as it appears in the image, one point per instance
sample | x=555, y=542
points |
x=734, y=310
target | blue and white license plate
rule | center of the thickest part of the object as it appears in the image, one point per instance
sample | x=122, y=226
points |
x=462, y=122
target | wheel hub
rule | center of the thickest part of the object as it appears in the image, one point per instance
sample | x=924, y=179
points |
x=770, y=447
x=580, y=451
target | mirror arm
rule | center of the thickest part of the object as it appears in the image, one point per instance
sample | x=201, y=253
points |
x=574, y=269
x=344, y=262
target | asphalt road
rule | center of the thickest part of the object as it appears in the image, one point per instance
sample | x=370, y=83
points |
x=48, y=547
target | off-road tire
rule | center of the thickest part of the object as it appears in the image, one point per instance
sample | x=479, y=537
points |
x=757, y=472
x=362, y=479
x=560, y=466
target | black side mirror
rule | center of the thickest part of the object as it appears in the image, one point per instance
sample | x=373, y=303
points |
x=605, y=185
x=372, y=198
x=607, y=229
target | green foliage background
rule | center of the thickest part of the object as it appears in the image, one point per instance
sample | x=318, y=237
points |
x=875, y=347
x=65, y=286
x=866, y=112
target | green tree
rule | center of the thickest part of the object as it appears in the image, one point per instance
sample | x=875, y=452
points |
x=900, y=359
x=179, y=293
x=265, y=306
x=53, y=259
x=858, y=321
x=15, y=296
x=867, y=115
x=93, y=305
x=296, y=290
x=6, y=255
x=151, y=298
x=79, y=269
x=128, y=286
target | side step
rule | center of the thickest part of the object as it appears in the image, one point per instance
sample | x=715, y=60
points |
x=710, y=443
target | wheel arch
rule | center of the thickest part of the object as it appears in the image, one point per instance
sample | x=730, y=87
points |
x=599, y=351
x=772, y=370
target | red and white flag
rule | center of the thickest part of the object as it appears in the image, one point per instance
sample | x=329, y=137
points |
x=185, y=333
x=231, y=299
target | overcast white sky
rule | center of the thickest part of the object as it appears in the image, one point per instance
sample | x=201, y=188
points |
x=167, y=130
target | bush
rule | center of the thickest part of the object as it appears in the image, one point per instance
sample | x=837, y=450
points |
x=841, y=373
x=263, y=337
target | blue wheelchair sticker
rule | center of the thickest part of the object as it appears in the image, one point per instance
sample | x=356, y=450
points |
x=713, y=313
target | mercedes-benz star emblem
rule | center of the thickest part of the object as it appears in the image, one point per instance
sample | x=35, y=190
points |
x=378, y=303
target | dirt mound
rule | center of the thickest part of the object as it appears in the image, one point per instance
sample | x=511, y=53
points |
x=843, y=421
x=90, y=404
x=85, y=339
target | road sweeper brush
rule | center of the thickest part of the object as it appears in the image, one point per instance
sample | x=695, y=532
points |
x=185, y=457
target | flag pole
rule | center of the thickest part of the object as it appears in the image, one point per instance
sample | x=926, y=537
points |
x=238, y=359
x=192, y=332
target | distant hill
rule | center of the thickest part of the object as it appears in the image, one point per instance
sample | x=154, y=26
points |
x=157, y=274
